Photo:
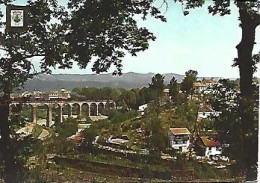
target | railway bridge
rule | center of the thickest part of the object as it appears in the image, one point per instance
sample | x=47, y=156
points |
x=92, y=108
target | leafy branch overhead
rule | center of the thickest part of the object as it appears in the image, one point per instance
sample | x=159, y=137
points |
x=103, y=31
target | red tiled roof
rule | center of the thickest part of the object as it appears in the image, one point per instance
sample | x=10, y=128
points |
x=205, y=108
x=209, y=142
x=179, y=131
x=209, y=81
x=197, y=84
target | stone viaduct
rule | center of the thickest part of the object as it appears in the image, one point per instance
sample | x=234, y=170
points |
x=93, y=108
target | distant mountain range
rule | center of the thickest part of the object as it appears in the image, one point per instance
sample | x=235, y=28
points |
x=69, y=81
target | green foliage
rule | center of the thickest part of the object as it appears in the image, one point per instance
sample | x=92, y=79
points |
x=157, y=86
x=58, y=143
x=67, y=128
x=17, y=121
x=37, y=130
x=117, y=117
x=107, y=42
x=205, y=124
x=185, y=115
x=130, y=99
x=157, y=83
x=241, y=137
x=157, y=138
x=127, y=99
x=158, y=141
x=187, y=83
x=174, y=90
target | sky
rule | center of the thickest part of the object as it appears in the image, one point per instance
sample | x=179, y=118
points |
x=198, y=41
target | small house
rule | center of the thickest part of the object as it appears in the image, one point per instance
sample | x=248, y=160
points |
x=142, y=108
x=205, y=111
x=179, y=138
x=208, y=147
x=204, y=85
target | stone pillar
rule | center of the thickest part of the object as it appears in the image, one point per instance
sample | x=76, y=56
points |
x=79, y=111
x=60, y=113
x=49, y=115
x=88, y=110
x=34, y=113
x=69, y=110
x=97, y=108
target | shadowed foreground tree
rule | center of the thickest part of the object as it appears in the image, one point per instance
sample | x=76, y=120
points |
x=240, y=137
x=101, y=30
x=40, y=39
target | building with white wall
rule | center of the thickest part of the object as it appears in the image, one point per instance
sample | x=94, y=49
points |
x=179, y=138
x=205, y=111
x=206, y=146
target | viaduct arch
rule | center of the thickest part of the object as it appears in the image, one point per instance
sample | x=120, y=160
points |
x=93, y=108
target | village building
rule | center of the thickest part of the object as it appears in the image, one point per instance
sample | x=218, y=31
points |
x=26, y=94
x=179, y=138
x=204, y=85
x=64, y=94
x=166, y=92
x=206, y=111
x=166, y=96
x=208, y=147
x=53, y=95
x=14, y=95
x=142, y=108
x=36, y=94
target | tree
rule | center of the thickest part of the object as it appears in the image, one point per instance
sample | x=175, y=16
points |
x=241, y=137
x=174, y=90
x=157, y=86
x=130, y=99
x=249, y=16
x=187, y=83
x=103, y=30
x=153, y=124
x=16, y=68
x=89, y=135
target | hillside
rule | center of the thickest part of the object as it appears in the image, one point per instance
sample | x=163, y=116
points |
x=69, y=81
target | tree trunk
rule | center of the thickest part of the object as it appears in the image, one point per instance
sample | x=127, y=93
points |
x=5, y=132
x=245, y=49
x=6, y=145
x=249, y=23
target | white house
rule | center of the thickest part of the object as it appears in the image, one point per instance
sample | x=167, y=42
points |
x=206, y=111
x=204, y=85
x=179, y=138
x=208, y=147
x=142, y=108
x=26, y=94
x=52, y=95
